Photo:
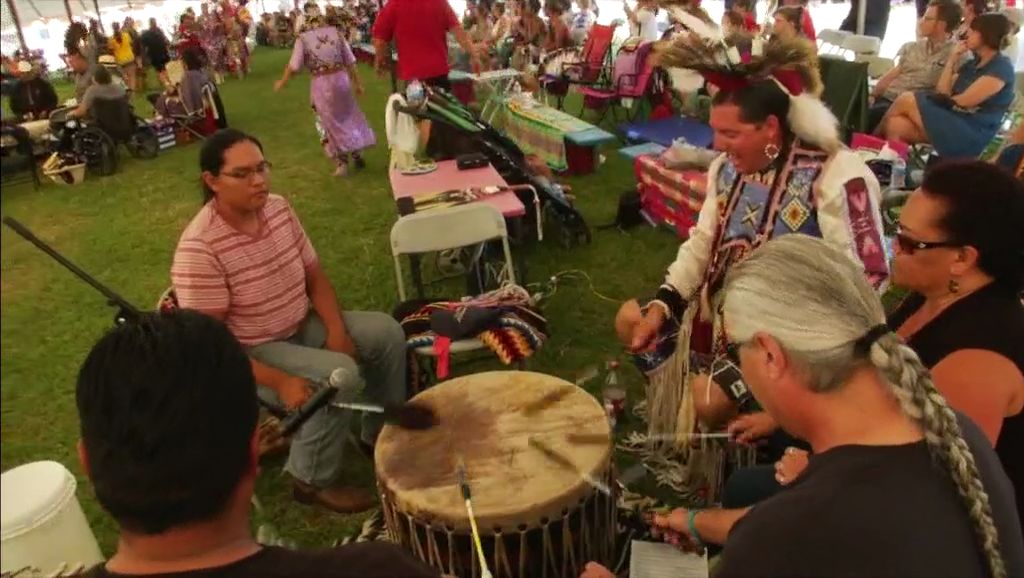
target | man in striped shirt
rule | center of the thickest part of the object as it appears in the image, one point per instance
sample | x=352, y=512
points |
x=246, y=260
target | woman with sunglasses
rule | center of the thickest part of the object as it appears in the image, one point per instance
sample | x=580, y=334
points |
x=960, y=251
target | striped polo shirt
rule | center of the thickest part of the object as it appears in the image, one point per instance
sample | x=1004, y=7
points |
x=259, y=281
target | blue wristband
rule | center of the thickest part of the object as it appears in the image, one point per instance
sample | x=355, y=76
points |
x=692, y=523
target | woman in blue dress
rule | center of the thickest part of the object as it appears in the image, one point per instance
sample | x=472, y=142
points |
x=964, y=112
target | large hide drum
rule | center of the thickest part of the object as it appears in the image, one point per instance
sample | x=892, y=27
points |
x=538, y=516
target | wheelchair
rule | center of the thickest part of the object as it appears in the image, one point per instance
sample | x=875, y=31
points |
x=95, y=141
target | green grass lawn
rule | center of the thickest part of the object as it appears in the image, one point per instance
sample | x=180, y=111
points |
x=123, y=229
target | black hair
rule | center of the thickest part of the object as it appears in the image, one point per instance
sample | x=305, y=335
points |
x=102, y=75
x=994, y=29
x=984, y=209
x=168, y=408
x=192, y=59
x=211, y=156
x=948, y=11
x=757, y=101
x=979, y=6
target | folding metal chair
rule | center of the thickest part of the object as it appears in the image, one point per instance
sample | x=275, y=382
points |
x=443, y=229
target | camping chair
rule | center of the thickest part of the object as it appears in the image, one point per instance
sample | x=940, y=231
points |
x=444, y=229
x=632, y=75
x=846, y=92
x=567, y=67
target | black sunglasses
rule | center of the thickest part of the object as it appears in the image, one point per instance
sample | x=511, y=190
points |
x=909, y=245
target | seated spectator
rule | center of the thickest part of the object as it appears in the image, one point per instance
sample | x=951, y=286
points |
x=168, y=413
x=82, y=72
x=103, y=88
x=644, y=20
x=964, y=113
x=919, y=63
x=581, y=22
x=789, y=23
x=193, y=80
x=528, y=31
x=960, y=250
x=898, y=485
x=557, y=36
x=806, y=23
x=732, y=23
x=1012, y=157
x=746, y=9
x=246, y=260
x=972, y=9
x=32, y=96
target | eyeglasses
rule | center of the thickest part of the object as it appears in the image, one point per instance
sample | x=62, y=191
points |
x=247, y=173
x=909, y=245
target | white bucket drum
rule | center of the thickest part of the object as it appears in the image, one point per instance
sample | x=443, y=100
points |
x=42, y=525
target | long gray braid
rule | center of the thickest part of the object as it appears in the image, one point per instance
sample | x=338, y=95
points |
x=919, y=399
x=788, y=287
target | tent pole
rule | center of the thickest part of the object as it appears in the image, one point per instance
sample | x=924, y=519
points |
x=17, y=26
x=862, y=9
x=67, y=8
x=96, y=4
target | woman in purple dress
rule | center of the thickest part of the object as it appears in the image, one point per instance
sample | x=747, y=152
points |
x=342, y=126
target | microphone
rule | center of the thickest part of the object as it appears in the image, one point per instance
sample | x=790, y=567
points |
x=335, y=386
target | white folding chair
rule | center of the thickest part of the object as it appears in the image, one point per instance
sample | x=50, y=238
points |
x=443, y=229
x=862, y=47
x=878, y=66
x=831, y=41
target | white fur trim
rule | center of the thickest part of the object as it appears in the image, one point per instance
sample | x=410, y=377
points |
x=813, y=123
x=706, y=31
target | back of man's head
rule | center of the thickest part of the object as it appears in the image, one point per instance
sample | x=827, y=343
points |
x=949, y=12
x=101, y=75
x=168, y=408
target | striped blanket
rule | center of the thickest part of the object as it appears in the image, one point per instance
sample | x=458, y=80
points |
x=666, y=195
x=540, y=130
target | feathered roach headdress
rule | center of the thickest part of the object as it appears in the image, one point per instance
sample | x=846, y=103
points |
x=736, y=61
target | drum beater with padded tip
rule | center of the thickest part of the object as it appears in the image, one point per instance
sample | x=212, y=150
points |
x=466, y=495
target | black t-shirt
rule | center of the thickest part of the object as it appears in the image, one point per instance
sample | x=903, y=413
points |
x=363, y=560
x=875, y=511
x=155, y=44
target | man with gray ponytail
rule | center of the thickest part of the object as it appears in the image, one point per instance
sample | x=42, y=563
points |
x=898, y=484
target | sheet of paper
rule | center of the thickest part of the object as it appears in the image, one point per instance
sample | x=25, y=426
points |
x=660, y=560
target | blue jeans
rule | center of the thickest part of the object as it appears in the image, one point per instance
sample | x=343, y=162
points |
x=317, y=448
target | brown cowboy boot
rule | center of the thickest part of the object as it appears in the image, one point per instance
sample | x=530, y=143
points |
x=341, y=499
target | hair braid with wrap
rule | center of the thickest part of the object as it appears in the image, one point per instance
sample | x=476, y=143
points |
x=787, y=287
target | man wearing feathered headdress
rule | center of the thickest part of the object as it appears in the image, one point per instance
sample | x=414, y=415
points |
x=783, y=170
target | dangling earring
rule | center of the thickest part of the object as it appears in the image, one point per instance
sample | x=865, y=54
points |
x=954, y=286
x=771, y=151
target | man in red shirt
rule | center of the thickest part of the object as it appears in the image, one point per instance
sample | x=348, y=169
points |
x=419, y=29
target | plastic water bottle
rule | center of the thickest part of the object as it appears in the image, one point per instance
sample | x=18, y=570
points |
x=614, y=396
x=414, y=93
x=898, y=180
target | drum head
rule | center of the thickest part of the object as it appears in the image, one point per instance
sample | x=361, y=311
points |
x=485, y=420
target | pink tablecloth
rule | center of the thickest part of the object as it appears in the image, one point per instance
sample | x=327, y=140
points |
x=448, y=177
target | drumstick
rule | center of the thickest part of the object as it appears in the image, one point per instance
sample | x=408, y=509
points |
x=565, y=462
x=464, y=485
x=409, y=415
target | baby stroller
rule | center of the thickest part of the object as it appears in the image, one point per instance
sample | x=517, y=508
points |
x=508, y=159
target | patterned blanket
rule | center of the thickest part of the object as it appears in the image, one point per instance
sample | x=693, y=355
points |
x=540, y=130
x=666, y=194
